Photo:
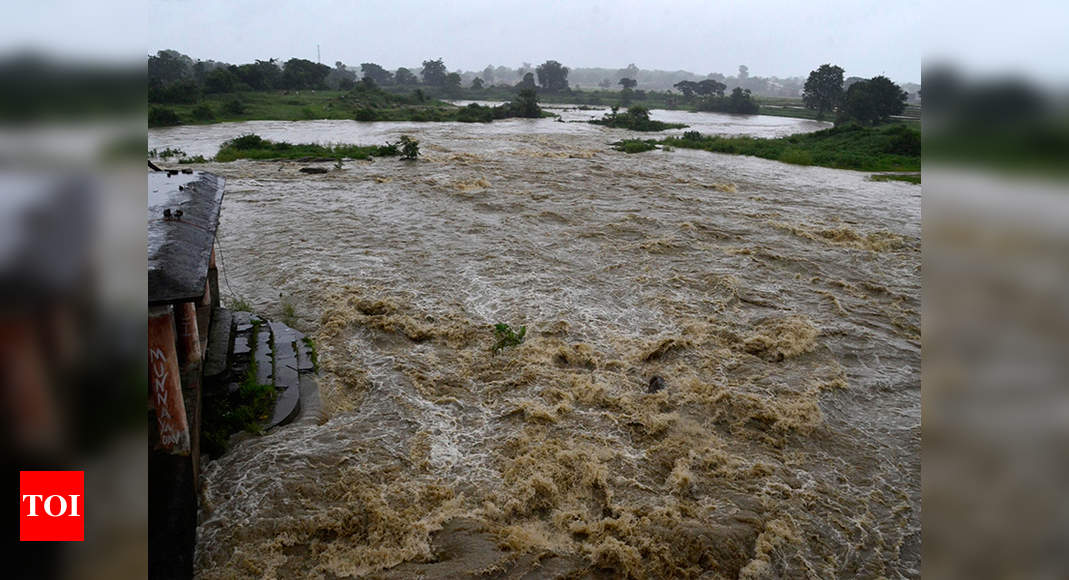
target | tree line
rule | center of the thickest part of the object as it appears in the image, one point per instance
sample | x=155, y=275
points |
x=865, y=101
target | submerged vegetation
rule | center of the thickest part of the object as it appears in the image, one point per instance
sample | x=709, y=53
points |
x=637, y=118
x=635, y=145
x=914, y=178
x=507, y=337
x=889, y=148
x=252, y=146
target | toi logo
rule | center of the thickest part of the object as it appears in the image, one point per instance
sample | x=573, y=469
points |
x=51, y=506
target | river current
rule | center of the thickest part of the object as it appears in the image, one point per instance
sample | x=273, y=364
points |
x=779, y=306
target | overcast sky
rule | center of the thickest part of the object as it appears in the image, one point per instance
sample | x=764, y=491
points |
x=772, y=37
x=785, y=38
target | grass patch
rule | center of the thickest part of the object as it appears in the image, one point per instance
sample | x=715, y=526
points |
x=239, y=304
x=914, y=178
x=312, y=352
x=635, y=145
x=255, y=147
x=289, y=314
x=894, y=147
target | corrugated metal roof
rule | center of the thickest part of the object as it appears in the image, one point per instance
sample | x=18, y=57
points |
x=180, y=246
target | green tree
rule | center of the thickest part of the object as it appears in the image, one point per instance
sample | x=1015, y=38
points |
x=378, y=74
x=434, y=72
x=219, y=80
x=526, y=103
x=299, y=73
x=169, y=66
x=741, y=101
x=688, y=88
x=873, y=101
x=477, y=83
x=403, y=76
x=552, y=76
x=628, y=83
x=260, y=76
x=709, y=87
x=823, y=89
x=527, y=82
x=452, y=83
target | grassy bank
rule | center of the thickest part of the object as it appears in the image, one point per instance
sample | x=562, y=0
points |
x=256, y=147
x=889, y=148
x=425, y=104
x=360, y=104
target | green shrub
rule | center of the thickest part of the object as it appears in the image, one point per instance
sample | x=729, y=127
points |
x=203, y=112
x=635, y=145
x=409, y=148
x=507, y=337
x=366, y=114
x=234, y=107
x=160, y=117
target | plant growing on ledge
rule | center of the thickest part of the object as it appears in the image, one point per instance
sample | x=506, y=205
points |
x=507, y=337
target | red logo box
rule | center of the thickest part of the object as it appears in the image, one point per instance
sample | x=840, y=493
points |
x=51, y=506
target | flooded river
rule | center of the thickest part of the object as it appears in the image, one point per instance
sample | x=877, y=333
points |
x=778, y=305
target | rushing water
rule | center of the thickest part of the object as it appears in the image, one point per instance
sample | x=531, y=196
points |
x=780, y=305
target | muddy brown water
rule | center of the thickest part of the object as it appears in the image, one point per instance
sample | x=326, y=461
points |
x=780, y=305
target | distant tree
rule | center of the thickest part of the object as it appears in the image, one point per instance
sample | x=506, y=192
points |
x=477, y=83
x=260, y=76
x=688, y=88
x=526, y=102
x=299, y=73
x=628, y=83
x=528, y=82
x=403, y=76
x=553, y=76
x=823, y=89
x=488, y=74
x=744, y=72
x=850, y=81
x=434, y=72
x=220, y=80
x=341, y=77
x=873, y=101
x=452, y=83
x=169, y=66
x=605, y=83
x=709, y=87
x=378, y=74
x=631, y=72
x=741, y=101
x=184, y=91
x=368, y=84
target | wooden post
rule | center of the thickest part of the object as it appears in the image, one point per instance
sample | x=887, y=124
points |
x=171, y=433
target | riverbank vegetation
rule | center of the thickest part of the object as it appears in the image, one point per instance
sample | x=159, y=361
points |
x=637, y=118
x=889, y=148
x=253, y=146
x=182, y=90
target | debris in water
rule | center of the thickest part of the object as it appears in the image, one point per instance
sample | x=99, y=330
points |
x=656, y=384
